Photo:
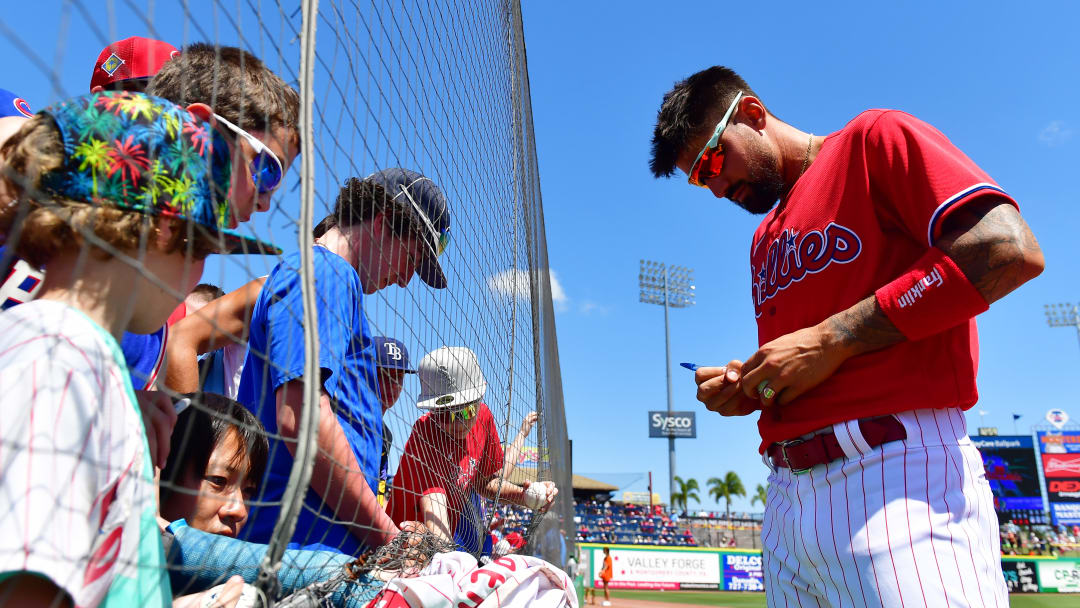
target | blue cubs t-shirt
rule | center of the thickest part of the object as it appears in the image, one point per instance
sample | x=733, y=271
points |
x=347, y=359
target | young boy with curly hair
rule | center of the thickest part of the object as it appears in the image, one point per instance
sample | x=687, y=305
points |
x=122, y=196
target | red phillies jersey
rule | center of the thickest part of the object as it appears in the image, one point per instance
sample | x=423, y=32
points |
x=435, y=462
x=870, y=205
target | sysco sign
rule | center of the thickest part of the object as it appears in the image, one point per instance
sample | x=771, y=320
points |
x=675, y=424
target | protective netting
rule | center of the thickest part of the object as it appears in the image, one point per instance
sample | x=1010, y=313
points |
x=293, y=464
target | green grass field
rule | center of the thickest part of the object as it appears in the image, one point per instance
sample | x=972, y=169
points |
x=757, y=600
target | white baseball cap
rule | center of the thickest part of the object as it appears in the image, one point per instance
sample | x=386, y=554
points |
x=450, y=377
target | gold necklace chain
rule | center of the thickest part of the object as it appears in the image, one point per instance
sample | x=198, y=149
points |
x=805, y=164
x=806, y=161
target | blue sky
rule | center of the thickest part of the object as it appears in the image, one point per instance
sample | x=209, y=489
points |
x=1000, y=83
x=997, y=81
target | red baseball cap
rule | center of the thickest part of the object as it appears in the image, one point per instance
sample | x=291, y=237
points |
x=134, y=57
x=516, y=541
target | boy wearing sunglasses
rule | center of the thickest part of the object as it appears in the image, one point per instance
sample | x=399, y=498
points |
x=76, y=451
x=253, y=109
x=453, y=454
x=252, y=106
x=866, y=280
x=383, y=230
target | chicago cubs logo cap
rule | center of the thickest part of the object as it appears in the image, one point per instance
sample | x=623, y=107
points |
x=450, y=377
x=13, y=105
x=391, y=354
x=130, y=58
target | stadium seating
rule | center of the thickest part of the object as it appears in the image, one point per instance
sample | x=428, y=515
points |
x=1057, y=541
x=632, y=524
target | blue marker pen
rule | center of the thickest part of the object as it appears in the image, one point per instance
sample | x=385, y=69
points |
x=690, y=366
x=181, y=404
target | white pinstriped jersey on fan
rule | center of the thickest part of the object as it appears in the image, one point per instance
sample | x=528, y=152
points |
x=72, y=451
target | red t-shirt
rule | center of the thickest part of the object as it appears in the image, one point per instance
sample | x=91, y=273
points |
x=870, y=205
x=435, y=462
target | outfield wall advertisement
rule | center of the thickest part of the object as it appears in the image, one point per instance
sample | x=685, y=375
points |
x=1011, y=470
x=1060, y=453
x=1020, y=576
x=682, y=568
x=1059, y=576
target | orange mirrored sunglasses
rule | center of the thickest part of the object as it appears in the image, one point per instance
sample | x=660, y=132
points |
x=710, y=161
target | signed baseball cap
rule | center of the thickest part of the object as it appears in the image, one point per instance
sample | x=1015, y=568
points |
x=130, y=59
x=427, y=204
x=391, y=354
x=13, y=105
x=450, y=378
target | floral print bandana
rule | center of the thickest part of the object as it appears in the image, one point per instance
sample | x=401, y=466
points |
x=146, y=154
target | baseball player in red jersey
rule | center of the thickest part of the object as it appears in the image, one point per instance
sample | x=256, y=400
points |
x=866, y=277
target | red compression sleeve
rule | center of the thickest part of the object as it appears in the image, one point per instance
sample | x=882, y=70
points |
x=932, y=296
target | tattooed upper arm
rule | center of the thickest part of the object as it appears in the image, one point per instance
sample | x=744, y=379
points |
x=990, y=243
x=993, y=246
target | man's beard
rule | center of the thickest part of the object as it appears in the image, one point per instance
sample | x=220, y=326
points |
x=765, y=185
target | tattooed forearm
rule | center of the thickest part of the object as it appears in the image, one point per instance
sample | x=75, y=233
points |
x=989, y=242
x=993, y=246
x=863, y=328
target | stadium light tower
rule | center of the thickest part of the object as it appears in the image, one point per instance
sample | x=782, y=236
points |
x=672, y=287
x=1064, y=315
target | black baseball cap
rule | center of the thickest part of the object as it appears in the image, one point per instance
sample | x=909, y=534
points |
x=428, y=205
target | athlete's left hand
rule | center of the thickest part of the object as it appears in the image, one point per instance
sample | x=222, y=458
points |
x=791, y=365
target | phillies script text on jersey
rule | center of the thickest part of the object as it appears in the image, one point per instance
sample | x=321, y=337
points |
x=791, y=258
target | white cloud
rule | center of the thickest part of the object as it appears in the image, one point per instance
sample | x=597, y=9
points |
x=515, y=283
x=558, y=296
x=1055, y=133
x=588, y=307
x=510, y=283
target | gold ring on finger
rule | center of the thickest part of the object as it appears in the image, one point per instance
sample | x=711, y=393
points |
x=765, y=390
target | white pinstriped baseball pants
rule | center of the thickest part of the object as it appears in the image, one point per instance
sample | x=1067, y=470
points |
x=910, y=523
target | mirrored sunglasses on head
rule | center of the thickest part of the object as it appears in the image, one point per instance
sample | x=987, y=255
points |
x=443, y=242
x=465, y=413
x=266, y=168
x=440, y=239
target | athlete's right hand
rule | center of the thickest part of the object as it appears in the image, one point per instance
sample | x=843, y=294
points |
x=720, y=390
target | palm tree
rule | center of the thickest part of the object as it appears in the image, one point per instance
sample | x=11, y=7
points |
x=759, y=495
x=688, y=490
x=95, y=156
x=725, y=488
x=129, y=158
